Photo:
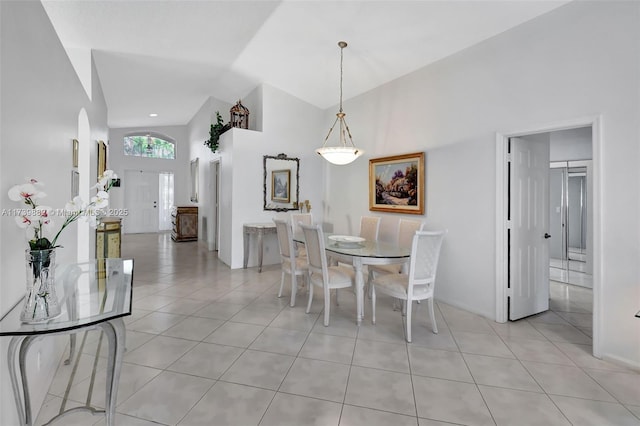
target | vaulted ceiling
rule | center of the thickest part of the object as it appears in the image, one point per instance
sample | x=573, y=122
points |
x=168, y=56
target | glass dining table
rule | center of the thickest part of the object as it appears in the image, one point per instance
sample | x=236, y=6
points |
x=367, y=252
x=93, y=295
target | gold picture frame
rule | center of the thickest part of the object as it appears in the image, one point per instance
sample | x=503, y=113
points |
x=194, y=172
x=75, y=146
x=281, y=186
x=102, y=158
x=396, y=184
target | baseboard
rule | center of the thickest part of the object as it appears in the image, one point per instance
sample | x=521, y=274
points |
x=623, y=362
x=490, y=316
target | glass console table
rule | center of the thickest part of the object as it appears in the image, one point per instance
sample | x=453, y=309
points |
x=93, y=295
x=260, y=230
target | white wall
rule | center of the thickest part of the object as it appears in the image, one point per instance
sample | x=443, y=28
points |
x=41, y=99
x=294, y=127
x=580, y=60
x=289, y=126
x=253, y=101
x=197, y=132
x=571, y=144
x=118, y=162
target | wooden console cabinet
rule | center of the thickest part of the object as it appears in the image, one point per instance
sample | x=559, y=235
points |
x=185, y=223
x=108, y=238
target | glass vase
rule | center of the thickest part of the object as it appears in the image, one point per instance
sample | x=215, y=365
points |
x=41, y=303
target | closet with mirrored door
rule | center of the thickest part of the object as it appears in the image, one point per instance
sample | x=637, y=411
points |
x=570, y=222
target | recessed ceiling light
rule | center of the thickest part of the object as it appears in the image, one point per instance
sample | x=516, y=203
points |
x=153, y=114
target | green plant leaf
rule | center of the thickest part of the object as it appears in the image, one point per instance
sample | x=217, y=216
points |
x=214, y=133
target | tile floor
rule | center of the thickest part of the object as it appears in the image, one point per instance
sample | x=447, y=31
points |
x=210, y=346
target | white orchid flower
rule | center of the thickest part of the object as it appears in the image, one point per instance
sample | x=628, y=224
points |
x=75, y=205
x=91, y=216
x=25, y=221
x=37, y=221
x=24, y=192
x=35, y=182
x=43, y=212
x=101, y=200
x=105, y=180
x=109, y=174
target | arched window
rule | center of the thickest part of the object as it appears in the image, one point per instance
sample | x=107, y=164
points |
x=150, y=146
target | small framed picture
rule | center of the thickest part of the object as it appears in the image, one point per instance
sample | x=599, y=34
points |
x=280, y=187
x=396, y=184
x=74, y=153
x=75, y=183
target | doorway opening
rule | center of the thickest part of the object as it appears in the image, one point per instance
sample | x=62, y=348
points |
x=506, y=287
x=571, y=209
x=212, y=234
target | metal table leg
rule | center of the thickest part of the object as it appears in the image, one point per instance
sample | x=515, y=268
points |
x=245, y=236
x=260, y=235
x=14, y=345
x=114, y=330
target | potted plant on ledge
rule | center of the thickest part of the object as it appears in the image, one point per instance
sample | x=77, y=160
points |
x=216, y=130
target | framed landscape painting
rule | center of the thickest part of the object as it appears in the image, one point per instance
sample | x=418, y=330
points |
x=280, y=187
x=396, y=184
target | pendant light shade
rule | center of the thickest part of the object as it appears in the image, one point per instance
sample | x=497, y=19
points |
x=345, y=152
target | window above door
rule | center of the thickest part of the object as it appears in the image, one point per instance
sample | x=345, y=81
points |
x=150, y=146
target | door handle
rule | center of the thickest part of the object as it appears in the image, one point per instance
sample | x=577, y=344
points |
x=546, y=236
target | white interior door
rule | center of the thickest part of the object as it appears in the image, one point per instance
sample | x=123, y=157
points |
x=529, y=212
x=141, y=198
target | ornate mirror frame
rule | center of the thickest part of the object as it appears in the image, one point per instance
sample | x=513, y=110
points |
x=280, y=182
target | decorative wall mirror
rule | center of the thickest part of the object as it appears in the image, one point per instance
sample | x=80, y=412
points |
x=194, y=180
x=281, y=177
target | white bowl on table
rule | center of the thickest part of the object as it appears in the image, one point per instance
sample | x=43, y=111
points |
x=347, y=241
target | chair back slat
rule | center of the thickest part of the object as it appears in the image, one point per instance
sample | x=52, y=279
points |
x=285, y=239
x=314, y=243
x=406, y=230
x=369, y=227
x=425, y=252
x=297, y=219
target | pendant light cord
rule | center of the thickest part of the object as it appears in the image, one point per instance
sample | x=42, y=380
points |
x=345, y=133
x=341, y=58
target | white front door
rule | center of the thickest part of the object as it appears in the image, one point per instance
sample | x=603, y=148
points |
x=529, y=214
x=141, y=198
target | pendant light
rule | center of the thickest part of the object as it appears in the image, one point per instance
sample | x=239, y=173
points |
x=149, y=148
x=343, y=153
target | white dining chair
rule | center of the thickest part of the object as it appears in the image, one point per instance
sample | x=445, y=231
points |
x=296, y=219
x=419, y=283
x=369, y=227
x=291, y=264
x=320, y=274
x=404, y=237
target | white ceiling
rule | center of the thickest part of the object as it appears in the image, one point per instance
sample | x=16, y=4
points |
x=169, y=56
